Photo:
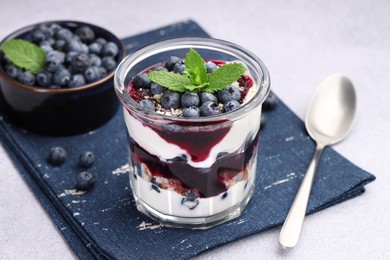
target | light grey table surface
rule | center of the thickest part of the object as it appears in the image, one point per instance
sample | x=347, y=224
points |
x=301, y=42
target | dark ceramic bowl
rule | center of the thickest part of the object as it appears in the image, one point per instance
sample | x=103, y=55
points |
x=66, y=111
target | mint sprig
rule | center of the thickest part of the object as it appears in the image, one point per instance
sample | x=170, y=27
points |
x=24, y=54
x=195, y=68
x=195, y=77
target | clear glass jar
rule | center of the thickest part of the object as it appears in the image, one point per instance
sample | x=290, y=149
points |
x=186, y=172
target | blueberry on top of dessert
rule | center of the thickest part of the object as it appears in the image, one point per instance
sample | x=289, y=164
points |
x=191, y=87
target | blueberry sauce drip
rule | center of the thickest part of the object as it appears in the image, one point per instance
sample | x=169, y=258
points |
x=207, y=181
x=197, y=143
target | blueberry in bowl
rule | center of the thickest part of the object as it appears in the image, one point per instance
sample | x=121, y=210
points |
x=56, y=77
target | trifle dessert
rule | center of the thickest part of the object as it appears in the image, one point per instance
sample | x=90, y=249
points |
x=192, y=108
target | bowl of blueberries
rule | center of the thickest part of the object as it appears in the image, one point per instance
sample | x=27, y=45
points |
x=56, y=77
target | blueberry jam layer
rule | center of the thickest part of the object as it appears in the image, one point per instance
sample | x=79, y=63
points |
x=197, y=143
x=204, y=182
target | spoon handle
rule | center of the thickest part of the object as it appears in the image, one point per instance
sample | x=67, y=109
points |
x=291, y=229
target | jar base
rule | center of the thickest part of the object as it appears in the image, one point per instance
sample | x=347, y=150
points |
x=201, y=223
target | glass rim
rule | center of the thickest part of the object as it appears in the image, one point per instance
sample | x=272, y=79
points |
x=150, y=50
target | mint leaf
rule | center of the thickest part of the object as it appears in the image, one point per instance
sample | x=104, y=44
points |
x=194, y=88
x=24, y=54
x=170, y=80
x=195, y=77
x=224, y=76
x=195, y=68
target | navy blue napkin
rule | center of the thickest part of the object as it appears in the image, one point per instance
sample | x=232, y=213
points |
x=104, y=222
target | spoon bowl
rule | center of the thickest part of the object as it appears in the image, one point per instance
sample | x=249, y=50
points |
x=331, y=110
x=328, y=120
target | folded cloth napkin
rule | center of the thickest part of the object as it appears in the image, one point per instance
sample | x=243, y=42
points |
x=104, y=222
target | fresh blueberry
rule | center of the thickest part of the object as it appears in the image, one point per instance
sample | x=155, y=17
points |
x=156, y=88
x=204, y=97
x=85, y=181
x=54, y=28
x=170, y=63
x=44, y=28
x=76, y=80
x=229, y=93
x=189, y=99
x=147, y=104
x=102, y=72
x=109, y=63
x=57, y=54
x=63, y=34
x=224, y=195
x=75, y=45
x=61, y=77
x=75, y=37
x=27, y=78
x=193, y=112
x=53, y=61
x=85, y=33
x=69, y=56
x=179, y=68
x=231, y=105
x=12, y=71
x=80, y=62
x=44, y=78
x=101, y=41
x=46, y=46
x=270, y=102
x=141, y=81
x=57, y=155
x=211, y=66
x=37, y=35
x=53, y=64
x=51, y=40
x=59, y=45
x=110, y=49
x=209, y=108
x=170, y=99
x=94, y=60
x=95, y=48
x=86, y=159
x=91, y=74
x=190, y=201
x=84, y=48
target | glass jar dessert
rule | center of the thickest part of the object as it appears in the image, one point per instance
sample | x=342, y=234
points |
x=192, y=108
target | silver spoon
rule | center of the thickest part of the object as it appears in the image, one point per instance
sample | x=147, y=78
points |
x=328, y=120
